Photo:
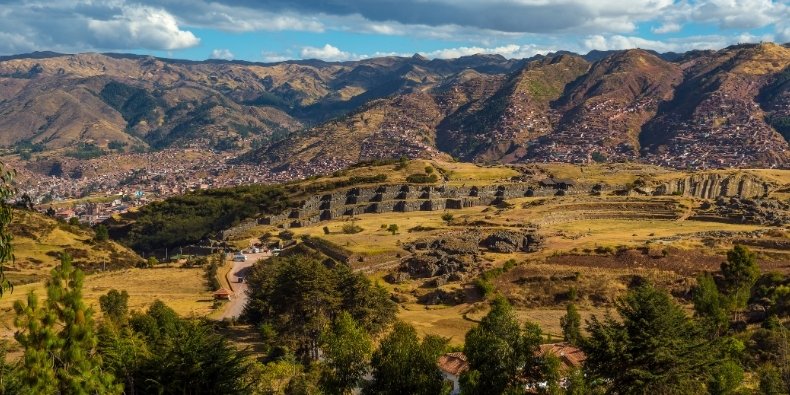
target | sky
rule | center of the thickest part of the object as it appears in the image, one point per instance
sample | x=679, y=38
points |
x=341, y=30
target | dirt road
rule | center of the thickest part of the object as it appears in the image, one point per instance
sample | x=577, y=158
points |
x=239, y=299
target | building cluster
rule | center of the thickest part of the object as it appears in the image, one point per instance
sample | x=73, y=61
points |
x=139, y=178
x=726, y=133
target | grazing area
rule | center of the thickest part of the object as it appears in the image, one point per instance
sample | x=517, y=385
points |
x=372, y=274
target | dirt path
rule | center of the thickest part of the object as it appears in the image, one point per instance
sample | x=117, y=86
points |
x=239, y=299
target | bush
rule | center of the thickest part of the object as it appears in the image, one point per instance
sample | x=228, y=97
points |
x=187, y=219
x=116, y=145
x=286, y=235
x=86, y=151
x=351, y=228
x=101, y=233
x=484, y=286
x=326, y=230
x=598, y=157
x=211, y=276
x=421, y=178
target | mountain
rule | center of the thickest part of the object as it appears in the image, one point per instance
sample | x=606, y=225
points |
x=731, y=109
x=603, y=112
x=518, y=112
x=58, y=101
x=699, y=109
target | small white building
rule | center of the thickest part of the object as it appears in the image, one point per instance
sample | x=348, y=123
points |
x=452, y=366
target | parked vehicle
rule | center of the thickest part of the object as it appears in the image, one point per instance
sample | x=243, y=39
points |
x=239, y=257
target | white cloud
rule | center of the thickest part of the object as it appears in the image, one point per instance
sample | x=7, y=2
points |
x=740, y=14
x=222, y=53
x=668, y=27
x=141, y=27
x=329, y=53
x=274, y=57
x=511, y=51
x=617, y=42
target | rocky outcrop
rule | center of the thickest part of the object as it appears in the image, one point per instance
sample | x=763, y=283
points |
x=507, y=241
x=747, y=211
x=713, y=185
x=449, y=257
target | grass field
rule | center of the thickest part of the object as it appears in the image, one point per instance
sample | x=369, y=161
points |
x=184, y=290
x=39, y=241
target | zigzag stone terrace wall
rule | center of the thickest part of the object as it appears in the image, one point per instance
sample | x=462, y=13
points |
x=406, y=198
x=409, y=197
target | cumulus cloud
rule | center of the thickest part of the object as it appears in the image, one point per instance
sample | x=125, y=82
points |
x=668, y=27
x=141, y=27
x=511, y=51
x=86, y=26
x=327, y=52
x=617, y=42
x=224, y=54
x=740, y=14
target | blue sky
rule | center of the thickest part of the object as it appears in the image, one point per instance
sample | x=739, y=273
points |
x=275, y=30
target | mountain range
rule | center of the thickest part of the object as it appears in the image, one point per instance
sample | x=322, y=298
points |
x=699, y=109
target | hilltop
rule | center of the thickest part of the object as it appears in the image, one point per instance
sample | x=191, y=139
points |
x=705, y=109
x=40, y=240
x=722, y=108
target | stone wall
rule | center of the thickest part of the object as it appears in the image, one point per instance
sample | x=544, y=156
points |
x=403, y=198
x=713, y=185
x=410, y=198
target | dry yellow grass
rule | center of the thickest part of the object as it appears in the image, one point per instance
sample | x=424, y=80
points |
x=39, y=241
x=184, y=290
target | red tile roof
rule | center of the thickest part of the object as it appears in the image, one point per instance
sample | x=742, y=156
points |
x=453, y=363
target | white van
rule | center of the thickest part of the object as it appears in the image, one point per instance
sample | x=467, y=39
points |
x=239, y=257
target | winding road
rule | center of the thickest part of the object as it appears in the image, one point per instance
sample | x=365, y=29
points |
x=239, y=299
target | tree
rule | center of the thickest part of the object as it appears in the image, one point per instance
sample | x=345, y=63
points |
x=501, y=355
x=347, y=348
x=447, y=217
x=710, y=305
x=58, y=339
x=299, y=296
x=404, y=365
x=115, y=305
x=101, y=233
x=151, y=261
x=6, y=214
x=159, y=352
x=571, y=325
x=8, y=380
x=652, y=345
x=740, y=272
x=393, y=228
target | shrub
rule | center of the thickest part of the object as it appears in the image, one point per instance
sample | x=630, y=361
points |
x=421, y=178
x=101, y=233
x=351, y=228
x=326, y=230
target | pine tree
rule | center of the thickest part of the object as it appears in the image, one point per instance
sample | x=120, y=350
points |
x=59, y=340
x=404, y=365
x=571, y=325
x=115, y=305
x=347, y=350
x=501, y=356
x=653, y=345
x=740, y=272
x=710, y=306
x=6, y=249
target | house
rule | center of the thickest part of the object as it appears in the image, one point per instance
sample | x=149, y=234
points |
x=452, y=365
x=570, y=357
x=223, y=294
